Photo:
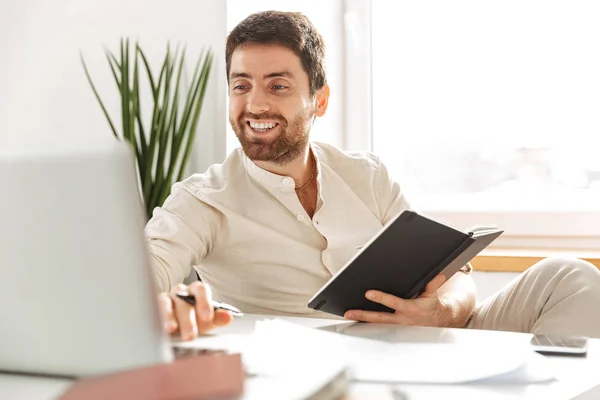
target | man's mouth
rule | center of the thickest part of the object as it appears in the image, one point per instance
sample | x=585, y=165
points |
x=261, y=126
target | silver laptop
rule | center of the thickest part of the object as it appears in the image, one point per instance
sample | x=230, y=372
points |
x=76, y=292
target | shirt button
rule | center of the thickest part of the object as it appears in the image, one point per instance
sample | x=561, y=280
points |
x=300, y=217
x=285, y=181
x=317, y=222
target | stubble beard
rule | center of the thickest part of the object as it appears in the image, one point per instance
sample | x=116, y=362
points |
x=289, y=144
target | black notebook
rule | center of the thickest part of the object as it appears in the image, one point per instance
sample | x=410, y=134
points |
x=400, y=260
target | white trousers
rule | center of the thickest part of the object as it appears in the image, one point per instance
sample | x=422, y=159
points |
x=555, y=296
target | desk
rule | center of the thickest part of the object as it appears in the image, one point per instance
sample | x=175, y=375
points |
x=576, y=377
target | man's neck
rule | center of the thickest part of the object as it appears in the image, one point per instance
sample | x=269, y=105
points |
x=299, y=169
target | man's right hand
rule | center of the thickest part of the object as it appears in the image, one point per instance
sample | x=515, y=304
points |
x=189, y=320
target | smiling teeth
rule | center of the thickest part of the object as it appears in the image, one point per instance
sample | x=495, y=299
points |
x=262, y=125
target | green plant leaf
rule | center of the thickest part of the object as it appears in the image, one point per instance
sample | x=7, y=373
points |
x=190, y=99
x=182, y=134
x=188, y=111
x=163, y=129
x=173, y=135
x=131, y=104
x=89, y=78
x=125, y=93
x=138, y=135
x=114, y=65
x=162, y=144
x=154, y=135
x=203, y=81
x=148, y=71
x=112, y=58
x=136, y=102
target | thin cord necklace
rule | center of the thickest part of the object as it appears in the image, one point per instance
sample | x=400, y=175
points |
x=312, y=176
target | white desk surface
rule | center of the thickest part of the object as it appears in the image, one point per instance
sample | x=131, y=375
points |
x=576, y=377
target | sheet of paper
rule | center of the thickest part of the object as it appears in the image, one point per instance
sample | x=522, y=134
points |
x=307, y=385
x=536, y=369
x=277, y=343
x=283, y=349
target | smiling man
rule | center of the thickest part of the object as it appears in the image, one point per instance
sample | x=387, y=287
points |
x=282, y=214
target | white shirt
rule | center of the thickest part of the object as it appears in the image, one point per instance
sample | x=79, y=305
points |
x=246, y=233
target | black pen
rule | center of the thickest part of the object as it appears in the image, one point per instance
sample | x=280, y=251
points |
x=190, y=299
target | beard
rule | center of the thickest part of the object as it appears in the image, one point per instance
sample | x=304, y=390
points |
x=281, y=149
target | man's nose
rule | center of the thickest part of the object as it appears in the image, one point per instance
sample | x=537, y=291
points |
x=258, y=102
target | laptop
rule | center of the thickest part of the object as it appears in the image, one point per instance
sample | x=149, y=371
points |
x=76, y=294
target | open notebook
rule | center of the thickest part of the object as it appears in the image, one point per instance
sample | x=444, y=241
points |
x=400, y=260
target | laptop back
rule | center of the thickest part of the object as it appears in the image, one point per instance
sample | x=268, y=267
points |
x=76, y=293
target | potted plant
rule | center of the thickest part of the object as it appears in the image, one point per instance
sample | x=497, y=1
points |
x=163, y=141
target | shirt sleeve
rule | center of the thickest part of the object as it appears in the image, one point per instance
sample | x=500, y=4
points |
x=180, y=234
x=391, y=200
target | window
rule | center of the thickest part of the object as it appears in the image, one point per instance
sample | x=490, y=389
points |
x=485, y=112
x=489, y=112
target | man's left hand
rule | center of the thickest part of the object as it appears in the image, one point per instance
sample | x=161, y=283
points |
x=427, y=309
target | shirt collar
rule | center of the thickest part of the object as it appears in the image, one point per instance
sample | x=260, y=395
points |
x=273, y=181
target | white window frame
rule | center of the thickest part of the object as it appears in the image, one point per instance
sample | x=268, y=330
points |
x=358, y=132
x=561, y=231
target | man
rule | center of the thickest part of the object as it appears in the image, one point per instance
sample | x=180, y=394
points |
x=268, y=227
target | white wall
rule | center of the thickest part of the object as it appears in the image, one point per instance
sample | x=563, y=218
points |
x=44, y=95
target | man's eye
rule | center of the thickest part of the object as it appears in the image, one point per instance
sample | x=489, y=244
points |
x=240, y=87
x=279, y=87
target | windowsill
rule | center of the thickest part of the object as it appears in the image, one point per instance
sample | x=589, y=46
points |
x=519, y=260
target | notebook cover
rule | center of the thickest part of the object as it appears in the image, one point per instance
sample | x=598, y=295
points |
x=397, y=261
x=211, y=376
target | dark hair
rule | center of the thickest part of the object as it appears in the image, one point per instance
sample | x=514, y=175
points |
x=290, y=29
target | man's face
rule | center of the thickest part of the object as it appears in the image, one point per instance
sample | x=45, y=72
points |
x=270, y=107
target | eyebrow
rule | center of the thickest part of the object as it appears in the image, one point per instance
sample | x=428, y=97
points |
x=282, y=74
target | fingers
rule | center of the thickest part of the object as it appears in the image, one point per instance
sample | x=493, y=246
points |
x=185, y=314
x=386, y=318
x=372, y=316
x=166, y=310
x=419, y=311
x=388, y=300
x=435, y=283
x=407, y=308
x=222, y=318
x=204, y=308
x=191, y=320
x=402, y=305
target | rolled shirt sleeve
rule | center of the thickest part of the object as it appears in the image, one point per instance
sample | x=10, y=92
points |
x=180, y=234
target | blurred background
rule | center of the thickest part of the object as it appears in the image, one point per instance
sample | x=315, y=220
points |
x=485, y=112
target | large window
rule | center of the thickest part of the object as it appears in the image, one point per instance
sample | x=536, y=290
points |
x=489, y=112
x=485, y=112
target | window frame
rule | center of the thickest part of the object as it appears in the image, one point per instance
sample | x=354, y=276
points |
x=571, y=231
x=528, y=231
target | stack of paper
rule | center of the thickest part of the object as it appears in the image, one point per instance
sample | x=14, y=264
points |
x=327, y=379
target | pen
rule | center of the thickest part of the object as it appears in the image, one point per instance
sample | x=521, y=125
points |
x=191, y=300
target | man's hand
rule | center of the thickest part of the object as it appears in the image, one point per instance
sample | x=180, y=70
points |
x=188, y=320
x=426, y=310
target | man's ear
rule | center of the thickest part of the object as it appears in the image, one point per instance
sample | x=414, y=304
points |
x=322, y=100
